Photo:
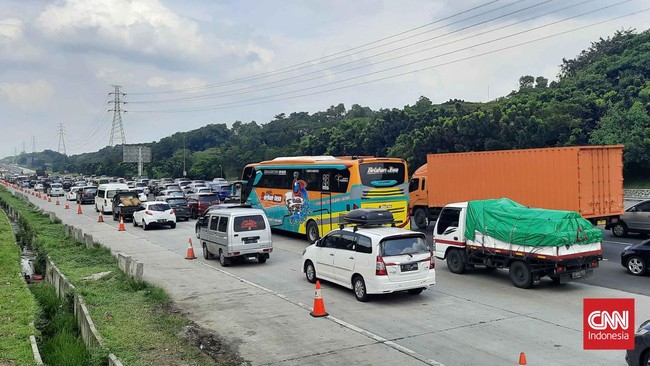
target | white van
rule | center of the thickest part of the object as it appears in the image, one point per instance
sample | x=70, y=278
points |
x=236, y=233
x=105, y=193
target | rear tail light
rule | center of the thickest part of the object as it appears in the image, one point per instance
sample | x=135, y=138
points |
x=380, y=268
x=559, y=269
x=173, y=212
x=432, y=261
x=148, y=213
x=594, y=264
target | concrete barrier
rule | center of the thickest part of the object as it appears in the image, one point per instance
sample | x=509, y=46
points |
x=130, y=266
x=37, y=354
x=89, y=333
x=113, y=361
x=88, y=240
x=54, y=276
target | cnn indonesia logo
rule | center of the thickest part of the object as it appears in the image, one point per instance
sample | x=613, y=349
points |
x=608, y=323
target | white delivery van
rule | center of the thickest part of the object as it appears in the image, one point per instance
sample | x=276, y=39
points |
x=236, y=233
x=105, y=193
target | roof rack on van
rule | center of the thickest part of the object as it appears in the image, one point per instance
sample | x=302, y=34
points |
x=365, y=217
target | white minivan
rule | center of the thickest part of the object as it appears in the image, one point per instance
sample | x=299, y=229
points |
x=236, y=233
x=105, y=193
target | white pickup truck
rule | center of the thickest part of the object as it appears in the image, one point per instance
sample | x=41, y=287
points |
x=531, y=242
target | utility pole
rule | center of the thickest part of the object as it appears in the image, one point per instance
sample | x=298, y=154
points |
x=184, y=171
x=23, y=147
x=118, y=128
x=61, y=132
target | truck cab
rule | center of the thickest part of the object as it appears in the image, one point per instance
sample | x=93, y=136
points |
x=449, y=230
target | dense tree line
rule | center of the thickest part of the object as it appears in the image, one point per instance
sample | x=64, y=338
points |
x=601, y=97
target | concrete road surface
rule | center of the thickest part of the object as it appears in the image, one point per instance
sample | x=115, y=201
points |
x=478, y=318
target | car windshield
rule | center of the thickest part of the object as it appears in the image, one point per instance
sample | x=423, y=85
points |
x=90, y=190
x=207, y=198
x=159, y=207
x=176, y=201
x=404, y=246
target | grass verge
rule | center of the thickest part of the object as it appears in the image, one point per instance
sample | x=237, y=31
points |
x=131, y=316
x=18, y=309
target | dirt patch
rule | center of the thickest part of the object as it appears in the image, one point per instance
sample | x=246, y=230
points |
x=210, y=343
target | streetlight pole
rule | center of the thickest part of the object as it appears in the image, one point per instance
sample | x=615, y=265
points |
x=221, y=171
x=184, y=171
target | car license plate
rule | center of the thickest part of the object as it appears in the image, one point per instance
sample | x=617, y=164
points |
x=601, y=222
x=578, y=274
x=250, y=240
x=409, y=267
x=161, y=220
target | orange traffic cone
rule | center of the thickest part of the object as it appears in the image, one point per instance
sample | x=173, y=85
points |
x=190, y=250
x=121, y=227
x=49, y=199
x=79, y=209
x=319, y=306
x=67, y=206
x=57, y=202
x=100, y=218
x=45, y=197
x=522, y=359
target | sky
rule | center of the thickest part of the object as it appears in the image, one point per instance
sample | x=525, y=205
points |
x=182, y=64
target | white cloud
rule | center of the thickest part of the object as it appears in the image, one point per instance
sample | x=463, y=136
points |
x=27, y=95
x=13, y=46
x=142, y=26
x=11, y=29
x=161, y=82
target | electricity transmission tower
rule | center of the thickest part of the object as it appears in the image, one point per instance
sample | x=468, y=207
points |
x=61, y=132
x=117, y=131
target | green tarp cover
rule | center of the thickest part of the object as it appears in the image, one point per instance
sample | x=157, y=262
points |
x=511, y=222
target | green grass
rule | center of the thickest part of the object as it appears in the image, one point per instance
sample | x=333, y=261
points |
x=18, y=309
x=129, y=315
x=637, y=184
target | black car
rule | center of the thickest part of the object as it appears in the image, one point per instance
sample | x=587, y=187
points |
x=179, y=204
x=640, y=355
x=636, y=258
x=86, y=195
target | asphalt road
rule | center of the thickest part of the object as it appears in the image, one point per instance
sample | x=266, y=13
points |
x=471, y=319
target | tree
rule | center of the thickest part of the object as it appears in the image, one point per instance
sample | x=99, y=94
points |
x=526, y=82
x=541, y=82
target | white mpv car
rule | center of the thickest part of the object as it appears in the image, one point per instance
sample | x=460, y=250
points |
x=370, y=258
x=154, y=213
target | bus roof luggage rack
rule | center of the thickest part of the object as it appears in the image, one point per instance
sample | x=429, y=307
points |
x=369, y=217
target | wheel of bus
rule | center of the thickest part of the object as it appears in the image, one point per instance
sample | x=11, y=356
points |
x=456, y=261
x=206, y=253
x=421, y=220
x=520, y=274
x=312, y=231
x=225, y=262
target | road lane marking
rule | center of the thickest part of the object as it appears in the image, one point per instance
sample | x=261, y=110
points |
x=377, y=338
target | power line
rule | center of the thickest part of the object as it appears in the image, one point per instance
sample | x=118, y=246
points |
x=251, y=89
x=229, y=105
x=310, y=63
x=210, y=107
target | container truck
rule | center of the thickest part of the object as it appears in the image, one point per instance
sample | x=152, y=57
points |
x=584, y=179
x=532, y=243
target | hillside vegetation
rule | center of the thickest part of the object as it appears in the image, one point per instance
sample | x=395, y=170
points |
x=602, y=96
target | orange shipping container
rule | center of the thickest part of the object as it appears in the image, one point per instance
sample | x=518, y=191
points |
x=585, y=179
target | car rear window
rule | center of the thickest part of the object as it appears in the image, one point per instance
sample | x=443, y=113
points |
x=404, y=245
x=207, y=198
x=176, y=201
x=159, y=207
x=249, y=223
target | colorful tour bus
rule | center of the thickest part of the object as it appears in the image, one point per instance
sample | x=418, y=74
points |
x=311, y=194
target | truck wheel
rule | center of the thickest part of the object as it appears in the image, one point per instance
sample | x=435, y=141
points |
x=114, y=217
x=312, y=232
x=619, y=229
x=421, y=220
x=636, y=266
x=262, y=258
x=456, y=261
x=521, y=275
